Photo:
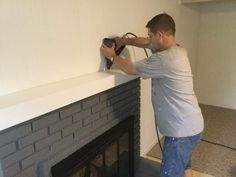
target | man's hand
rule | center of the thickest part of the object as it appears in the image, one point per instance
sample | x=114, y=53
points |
x=123, y=64
x=120, y=41
x=107, y=51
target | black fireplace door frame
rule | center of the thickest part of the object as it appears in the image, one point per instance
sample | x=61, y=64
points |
x=84, y=155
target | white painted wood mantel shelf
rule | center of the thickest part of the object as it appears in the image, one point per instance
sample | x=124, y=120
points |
x=24, y=105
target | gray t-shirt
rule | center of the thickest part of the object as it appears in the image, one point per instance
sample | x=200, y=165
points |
x=175, y=105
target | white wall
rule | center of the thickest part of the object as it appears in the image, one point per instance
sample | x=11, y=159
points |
x=43, y=41
x=50, y=40
x=216, y=71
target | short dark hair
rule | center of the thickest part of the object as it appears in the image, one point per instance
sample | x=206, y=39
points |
x=162, y=22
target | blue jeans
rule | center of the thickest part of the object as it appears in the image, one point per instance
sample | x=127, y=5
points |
x=177, y=154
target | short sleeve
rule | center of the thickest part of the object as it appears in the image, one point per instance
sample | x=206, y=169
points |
x=150, y=67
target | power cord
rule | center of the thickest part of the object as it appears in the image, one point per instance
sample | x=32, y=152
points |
x=218, y=144
x=158, y=136
x=129, y=33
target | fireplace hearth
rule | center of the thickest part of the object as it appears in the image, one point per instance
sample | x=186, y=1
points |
x=109, y=155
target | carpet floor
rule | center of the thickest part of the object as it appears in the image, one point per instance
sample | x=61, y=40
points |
x=216, y=153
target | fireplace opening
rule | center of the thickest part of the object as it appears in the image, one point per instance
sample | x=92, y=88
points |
x=109, y=155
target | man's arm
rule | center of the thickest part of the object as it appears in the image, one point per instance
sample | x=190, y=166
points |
x=142, y=42
x=125, y=65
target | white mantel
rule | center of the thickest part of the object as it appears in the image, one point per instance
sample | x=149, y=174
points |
x=24, y=105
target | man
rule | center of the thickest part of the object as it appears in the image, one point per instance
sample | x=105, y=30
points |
x=177, y=113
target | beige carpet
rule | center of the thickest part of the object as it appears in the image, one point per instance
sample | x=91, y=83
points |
x=213, y=159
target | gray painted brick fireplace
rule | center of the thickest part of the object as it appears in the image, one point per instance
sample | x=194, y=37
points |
x=31, y=148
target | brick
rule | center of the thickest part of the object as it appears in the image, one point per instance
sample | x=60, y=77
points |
x=47, y=141
x=30, y=139
x=81, y=115
x=96, y=133
x=115, y=121
x=99, y=107
x=121, y=104
x=62, y=144
x=99, y=126
x=12, y=170
x=89, y=102
x=118, y=90
x=85, y=140
x=120, y=98
x=121, y=89
x=106, y=127
x=73, y=128
x=101, y=122
x=8, y=149
x=70, y=110
x=34, y=158
x=17, y=156
x=131, y=86
x=104, y=96
x=45, y=166
x=106, y=111
x=29, y=172
x=83, y=132
x=90, y=119
x=45, y=121
x=14, y=133
x=116, y=114
x=60, y=125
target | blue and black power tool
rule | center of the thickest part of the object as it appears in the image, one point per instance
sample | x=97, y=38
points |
x=109, y=42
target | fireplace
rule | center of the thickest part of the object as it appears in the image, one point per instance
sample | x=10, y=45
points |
x=38, y=147
x=109, y=155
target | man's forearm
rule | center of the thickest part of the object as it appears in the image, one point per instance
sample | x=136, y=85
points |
x=125, y=65
x=143, y=42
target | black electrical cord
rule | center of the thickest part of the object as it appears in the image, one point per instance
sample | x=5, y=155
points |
x=157, y=131
x=158, y=137
x=159, y=141
x=218, y=144
x=129, y=33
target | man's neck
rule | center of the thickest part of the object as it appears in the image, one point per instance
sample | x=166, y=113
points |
x=169, y=42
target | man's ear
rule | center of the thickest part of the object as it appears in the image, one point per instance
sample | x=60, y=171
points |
x=160, y=33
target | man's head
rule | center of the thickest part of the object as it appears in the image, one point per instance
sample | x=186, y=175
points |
x=161, y=30
x=162, y=22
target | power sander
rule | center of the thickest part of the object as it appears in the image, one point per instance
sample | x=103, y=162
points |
x=109, y=42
